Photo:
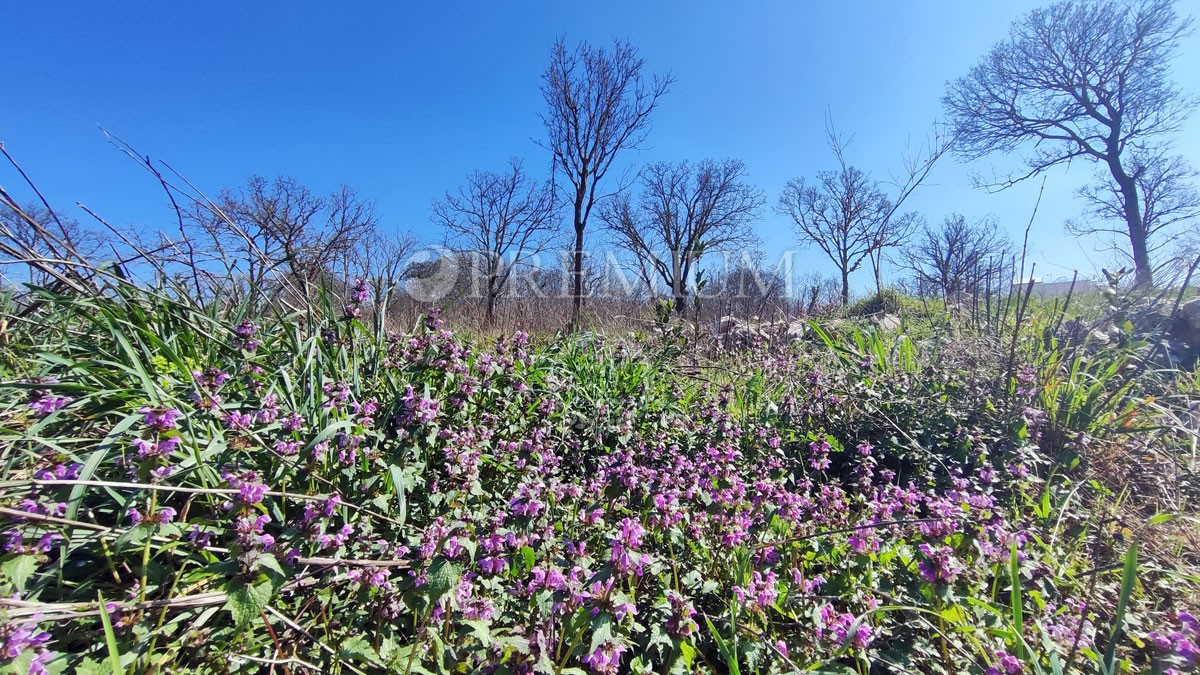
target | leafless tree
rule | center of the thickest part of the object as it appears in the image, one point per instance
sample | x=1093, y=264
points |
x=893, y=232
x=747, y=289
x=1085, y=79
x=33, y=238
x=1170, y=206
x=381, y=259
x=598, y=104
x=916, y=166
x=820, y=291
x=956, y=257
x=682, y=212
x=272, y=229
x=843, y=212
x=498, y=221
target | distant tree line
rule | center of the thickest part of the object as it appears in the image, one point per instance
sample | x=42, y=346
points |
x=1085, y=80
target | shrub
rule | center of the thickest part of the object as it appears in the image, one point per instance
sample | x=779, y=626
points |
x=889, y=301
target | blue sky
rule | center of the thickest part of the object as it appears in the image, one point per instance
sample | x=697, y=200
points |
x=403, y=100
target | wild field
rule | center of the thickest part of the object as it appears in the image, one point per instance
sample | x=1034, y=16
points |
x=215, y=491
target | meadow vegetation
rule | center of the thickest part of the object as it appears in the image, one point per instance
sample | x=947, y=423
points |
x=204, y=489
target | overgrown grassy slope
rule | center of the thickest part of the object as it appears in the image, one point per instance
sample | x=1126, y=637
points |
x=196, y=490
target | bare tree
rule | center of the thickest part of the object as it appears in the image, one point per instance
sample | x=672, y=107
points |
x=819, y=291
x=956, y=257
x=1081, y=79
x=498, y=221
x=281, y=229
x=36, y=239
x=844, y=213
x=598, y=104
x=748, y=289
x=916, y=165
x=682, y=212
x=893, y=232
x=1170, y=205
x=382, y=259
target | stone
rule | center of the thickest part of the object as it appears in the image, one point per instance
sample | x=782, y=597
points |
x=1186, y=326
x=888, y=322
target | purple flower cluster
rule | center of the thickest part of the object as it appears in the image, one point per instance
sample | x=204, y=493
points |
x=160, y=419
x=159, y=516
x=44, y=405
x=376, y=578
x=626, y=559
x=417, y=409
x=682, y=622
x=1068, y=625
x=1026, y=381
x=18, y=638
x=819, y=459
x=244, y=334
x=250, y=489
x=14, y=542
x=605, y=659
x=1006, y=664
x=940, y=565
x=68, y=471
x=1182, y=643
x=42, y=400
x=838, y=628
x=357, y=298
x=317, y=525
x=760, y=593
x=563, y=502
x=251, y=534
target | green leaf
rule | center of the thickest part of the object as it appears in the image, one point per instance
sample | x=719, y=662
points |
x=1018, y=612
x=19, y=665
x=110, y=639
x=247, y=601
x=19, y=569
x=480, y=630
x=358, y=648
x=687, y=652
x=1128, y=579
x=601, y=631
x=724, y=647
x=529, y=558
x=443, y=576
x=408, y=658
x=134, y=536
x=835, y=669
x=90, y=667
x=269, y=564
x=953, y=614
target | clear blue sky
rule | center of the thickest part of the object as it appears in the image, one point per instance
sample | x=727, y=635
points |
x=402, y=100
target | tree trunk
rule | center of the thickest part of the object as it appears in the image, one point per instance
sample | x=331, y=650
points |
x=1143, y=271
x=877, y=263
x=492, y=293
x=577, y=280
x=845, y=287
x=680, y=297
x=678, y=291
x=577, y=262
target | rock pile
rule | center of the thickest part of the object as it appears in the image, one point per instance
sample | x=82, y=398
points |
x=1185, y=329
x=737, y=333
x=1174, y=338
